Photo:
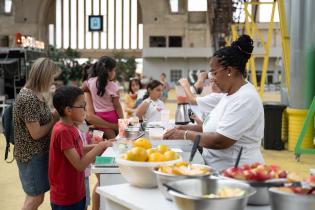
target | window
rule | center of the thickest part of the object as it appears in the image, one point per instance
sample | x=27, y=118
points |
x=175, y=41
x=157, y=41
x=7, y=6
x=197, y=5
x=174, y=6
x=176, y=74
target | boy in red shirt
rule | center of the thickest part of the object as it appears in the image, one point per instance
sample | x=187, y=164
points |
x=67, y=158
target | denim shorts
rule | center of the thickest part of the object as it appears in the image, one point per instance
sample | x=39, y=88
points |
x=87, y=191
x=34, y=175
x=76, y=206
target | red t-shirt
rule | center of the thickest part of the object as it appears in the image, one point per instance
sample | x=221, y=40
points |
x=66, y=183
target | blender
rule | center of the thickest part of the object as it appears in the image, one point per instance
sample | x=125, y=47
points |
x=182, y=110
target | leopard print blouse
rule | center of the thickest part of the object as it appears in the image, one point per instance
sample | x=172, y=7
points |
x=28, y=108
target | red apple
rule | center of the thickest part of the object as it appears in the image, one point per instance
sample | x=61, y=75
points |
x=311, y=180
x=245, y=166
x=249, y=174
x=236, y=173
x=262, y=175
x=283, y=174
x=254, y=165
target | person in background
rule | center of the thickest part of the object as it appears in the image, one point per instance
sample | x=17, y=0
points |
x=102, y=111
x=166, y=87
x=67, y=157
x=237, y=120
x=131, y=97
x=33, y=122
x=142, y=91
x=150, y=108
x=105, y=93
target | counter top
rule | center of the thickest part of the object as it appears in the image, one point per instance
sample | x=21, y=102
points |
x=125, y=196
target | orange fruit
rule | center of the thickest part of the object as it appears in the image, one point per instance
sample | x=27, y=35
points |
x=156, y=157
x=142, y=142
x=170, y=155
x=137, y=154
x=150, y=151
x=124, y=156
x=162, y=148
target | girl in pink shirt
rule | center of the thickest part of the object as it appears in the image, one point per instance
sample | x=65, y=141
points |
x=104, y=92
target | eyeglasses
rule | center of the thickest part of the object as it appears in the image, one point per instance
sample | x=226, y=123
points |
x=214, y=72
x=79, y=107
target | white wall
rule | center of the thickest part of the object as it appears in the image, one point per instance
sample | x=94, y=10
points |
x=153, y=67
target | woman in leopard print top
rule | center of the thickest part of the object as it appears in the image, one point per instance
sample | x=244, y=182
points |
x=33, y=123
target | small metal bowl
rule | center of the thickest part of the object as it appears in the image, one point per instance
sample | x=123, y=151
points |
x=281, y=200
x=195, y=189
x=164, y=178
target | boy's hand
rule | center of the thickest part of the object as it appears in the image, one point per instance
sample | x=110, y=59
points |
x=105, y=144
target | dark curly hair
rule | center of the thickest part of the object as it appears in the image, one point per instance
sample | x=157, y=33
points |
x=100, y=69
x=237, y=54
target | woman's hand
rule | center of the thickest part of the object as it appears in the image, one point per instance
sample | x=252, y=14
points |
x=174, y=134
x=184, y=83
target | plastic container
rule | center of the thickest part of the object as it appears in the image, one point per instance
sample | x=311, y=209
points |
x=181, y=97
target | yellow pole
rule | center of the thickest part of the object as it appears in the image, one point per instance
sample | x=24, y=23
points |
x=252, y=58
x=266, y=55
x=285, y=41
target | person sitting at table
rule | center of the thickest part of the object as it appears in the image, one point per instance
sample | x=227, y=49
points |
x=150, y=108
x=238, y=118
x=131, y=97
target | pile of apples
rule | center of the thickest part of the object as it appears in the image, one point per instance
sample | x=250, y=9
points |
x=255, y=172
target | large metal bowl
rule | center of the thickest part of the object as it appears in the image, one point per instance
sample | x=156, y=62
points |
x=164, y=178
x=281, y=200
x=140, y=174
x=194, y=189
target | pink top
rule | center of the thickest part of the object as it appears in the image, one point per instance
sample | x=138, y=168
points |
x=104, y=103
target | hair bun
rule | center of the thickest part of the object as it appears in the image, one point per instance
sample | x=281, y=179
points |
x=244, y=44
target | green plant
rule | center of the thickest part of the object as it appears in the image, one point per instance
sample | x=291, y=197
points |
x=125, y=67
x=67, y=61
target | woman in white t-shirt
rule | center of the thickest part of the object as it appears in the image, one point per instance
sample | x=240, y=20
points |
x=150, y=108
x=237, y=120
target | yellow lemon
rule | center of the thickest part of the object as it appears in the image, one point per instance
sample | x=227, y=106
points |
x=162, y=148
x=137, y=154
x=142, y=142
x=181, y=163
x=124, y=156
x=170, y=155
x=150, y=151
x=156, y=157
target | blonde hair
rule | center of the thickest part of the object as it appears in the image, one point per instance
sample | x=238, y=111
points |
x=42, y=72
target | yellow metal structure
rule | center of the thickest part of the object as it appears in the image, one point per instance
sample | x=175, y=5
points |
x=285, y=41
x=252, y=29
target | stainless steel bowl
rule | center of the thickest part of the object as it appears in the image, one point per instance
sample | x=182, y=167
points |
x=194, y=189
x=163, y=178
x=281, y=200
x=132, y=133
x=261, y=197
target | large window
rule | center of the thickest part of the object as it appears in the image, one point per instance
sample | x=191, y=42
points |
x=157, y=41
x=176, y=74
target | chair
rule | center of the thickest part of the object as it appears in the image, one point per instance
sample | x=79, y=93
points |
x=3, y=105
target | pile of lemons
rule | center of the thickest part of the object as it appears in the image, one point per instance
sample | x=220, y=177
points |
x=142, y=151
